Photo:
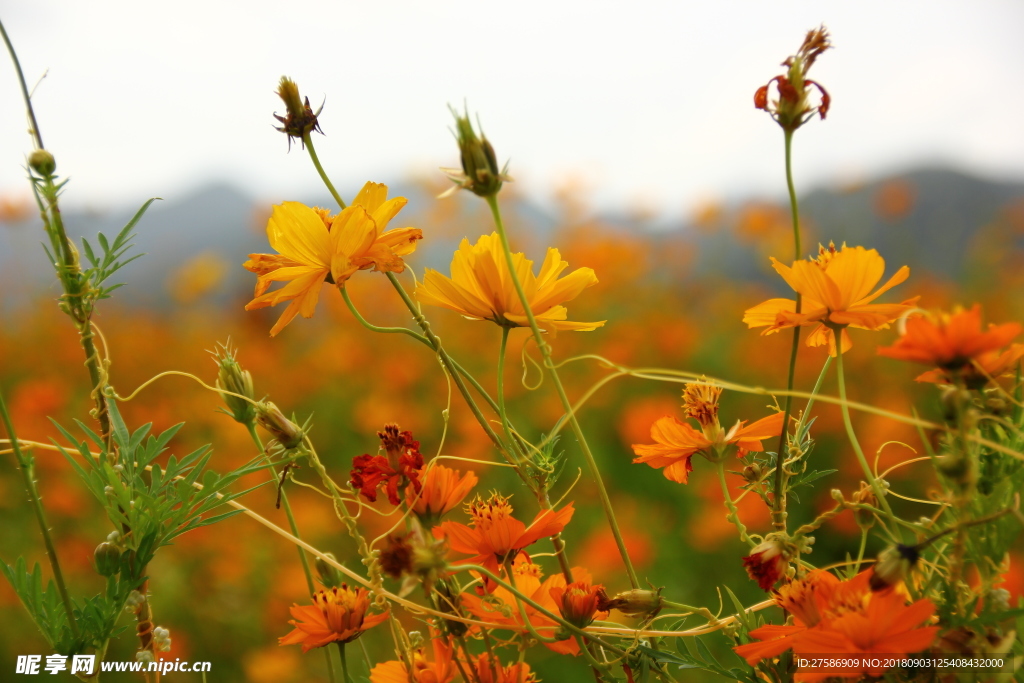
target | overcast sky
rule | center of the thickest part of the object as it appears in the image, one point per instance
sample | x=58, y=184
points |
x=644, y=102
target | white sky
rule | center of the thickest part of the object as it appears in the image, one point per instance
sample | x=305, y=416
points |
x=647, y=102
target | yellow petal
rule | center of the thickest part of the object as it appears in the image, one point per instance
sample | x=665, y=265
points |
x=295, y=231
x=371, y=196
x=854, y=270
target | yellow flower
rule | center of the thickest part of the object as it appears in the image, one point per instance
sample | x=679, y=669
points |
x=312, y=245
x=836, y=289
x=481, y=287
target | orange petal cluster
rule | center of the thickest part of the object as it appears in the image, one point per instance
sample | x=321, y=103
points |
x=956, y=345
x=441, y=670
x=836, y=290
x=336, y=615
x=843, y=618
x=443, y=489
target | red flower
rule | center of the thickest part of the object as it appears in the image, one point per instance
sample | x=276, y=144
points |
x=400, y=467
x=766, y=564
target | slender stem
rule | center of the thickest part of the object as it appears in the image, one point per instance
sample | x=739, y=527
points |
x=27, y=464
x=779, y=501
x=344, y=662
x=507, y=565
x=860, y=550
x=734, y=513
x=545, y=350
x=435, y=344
x=501, y=384
x=251, y=426
x=307, y=140
x=871, y=479
x=420, y=338
x=37, y=137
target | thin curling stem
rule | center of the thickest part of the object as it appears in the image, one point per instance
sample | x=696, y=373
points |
x=251, y=426
x=779, y=500
x=37, y=137
x=307, y=140
x=27, y=465
x=545, y=350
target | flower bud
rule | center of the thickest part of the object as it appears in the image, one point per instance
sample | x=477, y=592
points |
x=578, y=602
x=767, y=563
x=231, y=377
x=753, y=472
x=480, y=172
x=107, y=559
x=42, y=162
x=635, y=603
x=162, y=639
x=327, y=573
x=270, y=417
x=893, y=565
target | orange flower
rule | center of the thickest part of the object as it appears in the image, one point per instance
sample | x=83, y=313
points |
x=401, y=466
x=677, y=441
x=496, y=534
x=441, y=670
x=834, y=618
x=336, y=615
x=443, y=489
x=313, y=246
x=953, y=342
x=491, y=670
x=836, y=291
x=578, y=601
x=500, y=607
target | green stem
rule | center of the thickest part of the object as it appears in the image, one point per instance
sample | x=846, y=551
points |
x=344, y=662
x=545, y=350
x=420, y=338
x=251, y=426
x=734, y=513
x=779, y=501
x=37, y=137
x=871, y=479
x=501, y=384
x=435, y=344
x=860, y=550
x=307, y=139
x=27, y=465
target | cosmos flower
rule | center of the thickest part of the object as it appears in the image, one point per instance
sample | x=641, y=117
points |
x=400, y=466
x=481, y=287
x=677, y=441
x=836, y=292
x=443, y=489
x=954, y=343
x=313, y=246
x=495, y=534
x=766, y=563
x=336, y=615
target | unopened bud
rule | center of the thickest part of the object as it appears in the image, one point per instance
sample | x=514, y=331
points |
x=636, y=602
x=42, y=162
x=270, y=417
x=328, y=574
x=107, y=559
x=415, y=640
x=162, y=639
x=144, y=656
x=753, y=472
x=232, y=378
x=893, y=565
x=480, y=171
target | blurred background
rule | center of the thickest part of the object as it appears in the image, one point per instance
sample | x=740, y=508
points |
x=636, y=151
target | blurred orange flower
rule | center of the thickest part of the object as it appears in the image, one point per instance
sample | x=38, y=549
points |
x=843, y=618
x=441, y=670
x=481, y=287
x=443, y=489
x=336, y=615
x=496, y=534
x=953, y=342
x=312, y=245
x=488, y=669
x=836, y=290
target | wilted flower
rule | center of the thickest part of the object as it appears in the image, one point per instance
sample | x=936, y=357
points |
x=300, y=120
x=793, y=108
x=836, y=292
x=336, y=615
x=399, y=467
x=767, y=563
x=481, y=287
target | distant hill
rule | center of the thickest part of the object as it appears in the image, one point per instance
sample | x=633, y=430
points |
x=925, y=218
